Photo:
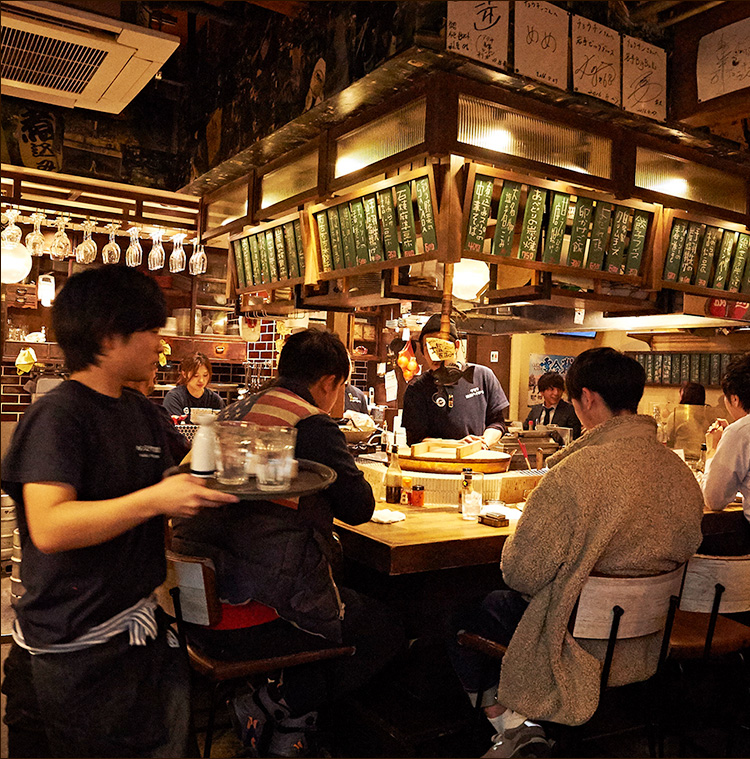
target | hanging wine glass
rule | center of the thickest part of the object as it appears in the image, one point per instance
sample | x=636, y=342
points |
x=177, y=258
x=86, y=251
x=134, y=253
x=35, y=240
x=157, y=256
x=201, y=262
x=193, y=263
x=60, y=248
x=12, y=233
x=111, y=251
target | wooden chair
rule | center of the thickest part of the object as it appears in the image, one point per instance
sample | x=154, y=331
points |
x=713, y=586
x=191, y=582
x=611, y=609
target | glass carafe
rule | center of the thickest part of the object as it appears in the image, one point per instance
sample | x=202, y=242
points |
x=177, y=260
x=157, y=256
x=60, y=248
x=134, y=253
x=111, y=251
x=35, y=239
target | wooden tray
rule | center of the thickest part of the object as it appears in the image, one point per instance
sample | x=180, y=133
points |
x=452, y=456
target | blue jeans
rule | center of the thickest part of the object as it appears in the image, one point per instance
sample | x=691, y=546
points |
x=496, y=618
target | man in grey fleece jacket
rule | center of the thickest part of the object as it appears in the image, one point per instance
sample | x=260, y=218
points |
x=615, y=501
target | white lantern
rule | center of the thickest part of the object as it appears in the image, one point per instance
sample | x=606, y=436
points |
x=469, y=277
x=46, y=289
x=15, y=262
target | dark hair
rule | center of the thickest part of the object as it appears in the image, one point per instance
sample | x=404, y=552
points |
x=314, y=353
x=692, y=394
x=618, y=378
x=190, y=365
x=736, y=380
x=550, y=379
x=100, y=303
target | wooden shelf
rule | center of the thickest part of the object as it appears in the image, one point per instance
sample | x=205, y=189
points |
x=706, y=292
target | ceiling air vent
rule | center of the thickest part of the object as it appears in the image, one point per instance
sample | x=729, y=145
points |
x=60, y=55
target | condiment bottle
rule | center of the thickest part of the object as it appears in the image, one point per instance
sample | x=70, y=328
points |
x=203, y=453
x=393, y=478
x=406, y=491
x=471, y=501
x=417, y=495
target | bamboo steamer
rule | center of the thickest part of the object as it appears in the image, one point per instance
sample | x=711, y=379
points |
x=451, y=456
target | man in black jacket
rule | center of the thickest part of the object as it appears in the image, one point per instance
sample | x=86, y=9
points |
x=554, y=410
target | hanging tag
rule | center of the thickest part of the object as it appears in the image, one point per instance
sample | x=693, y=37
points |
x=440, y=350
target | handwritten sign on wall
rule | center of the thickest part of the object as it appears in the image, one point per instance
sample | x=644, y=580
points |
x=644, y=78
x=723, y=63
x=596, y=60
x=541, y=42
x=479, y=30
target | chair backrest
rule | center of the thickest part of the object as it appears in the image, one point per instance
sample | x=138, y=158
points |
x=644, y=603
x=729, y=576
x=195, y=577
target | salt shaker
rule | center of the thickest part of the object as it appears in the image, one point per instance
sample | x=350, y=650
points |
x=203, y=455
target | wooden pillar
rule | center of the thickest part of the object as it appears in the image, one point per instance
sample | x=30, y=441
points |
x=339, y=323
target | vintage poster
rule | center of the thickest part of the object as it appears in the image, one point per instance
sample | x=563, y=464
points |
x=539, y=364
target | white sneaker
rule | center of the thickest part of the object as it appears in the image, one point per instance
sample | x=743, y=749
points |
x=527, y=740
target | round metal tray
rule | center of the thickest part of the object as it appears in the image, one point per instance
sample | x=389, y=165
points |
x=311, y=478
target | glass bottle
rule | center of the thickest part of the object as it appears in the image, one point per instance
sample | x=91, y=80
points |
x=203, y=455
x=471, y=501
x=405, y=491
x=393, y=478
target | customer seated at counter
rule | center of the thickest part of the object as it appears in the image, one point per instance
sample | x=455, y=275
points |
x=473, y=408
x=686, y=426
x=614, y=502
x=192, y=389
x=553, y=409
x=273, y=559
x=728, y=463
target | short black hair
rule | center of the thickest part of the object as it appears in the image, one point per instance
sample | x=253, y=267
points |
x=619, y=379
x=314, y=353
x=550, y=379
x=736, y=380
x=100, y=303
x=692, y=394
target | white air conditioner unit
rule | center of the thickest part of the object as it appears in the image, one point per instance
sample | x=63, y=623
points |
x=60, y=55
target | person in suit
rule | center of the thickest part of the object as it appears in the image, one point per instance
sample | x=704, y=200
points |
x=554, y=410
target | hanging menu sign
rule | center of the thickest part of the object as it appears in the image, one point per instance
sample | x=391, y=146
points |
x=278, y=242
x=541, y=42
x=599, y=235
x=258, y=263
x=674, y=250
x=644, y=78
x=374, y=247
x=706, y=260
x=347, y=237
x=300, y=246
x=596, y=60
x=252, y=277
x=725, y=260
x=579, y=233
x=406, y=219
x=273, y=267
x=261, y=240
x=388, y=217
x=426, y=214
x=507, y=213
x=690, y=253
x=738, y=267
x=334, y=233
x=237, y=248
x=558, y=216
x=479, y=30
x=479, y=213
x=325, y=241
x=637, y=243
x=291, y=250
x=359, y=231
x=745, y=287
x=532, y=223
x=616, y=252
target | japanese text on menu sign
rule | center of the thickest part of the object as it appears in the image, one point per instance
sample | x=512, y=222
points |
x=479, y=30
x=723, y=63
x=644, y=78
x=541, y=42
x=596, y=60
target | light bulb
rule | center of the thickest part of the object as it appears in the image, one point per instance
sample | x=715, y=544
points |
x=15, y=262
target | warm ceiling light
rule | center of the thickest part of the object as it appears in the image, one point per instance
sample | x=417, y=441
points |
x=348, y=164
x=469, y=277
x=677, y=186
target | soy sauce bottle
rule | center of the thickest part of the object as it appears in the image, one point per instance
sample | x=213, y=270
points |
x=393, y=478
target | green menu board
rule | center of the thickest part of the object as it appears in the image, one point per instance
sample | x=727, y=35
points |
x=374, y=246
x=715, y=369
x=263, y=254
x=291, y=250
x=532, y=223
x=599, y=235
x=725, y=260
x=675, y=373
x=324, y=236
x=637, y=242
x=649, y=367
x=334, y=234
x=390, y=229
x=300, y=246
x=406, y=225
x=738, y=267
x=426, y=214
x=579, y=233
x=273, y=267
x=658, y=361
x=558, y=216
x=695, y=367
x=278, y=242
x=359, y=231
x=479, y=213
x=705, y=360
x=347, y=238
x=745, y=287
x=239, y=264
x=259, y=264
x=507, y=213
x=617, y=241
x=684, y=367
x=674, y=250
x=666, y=369
x=690, y=253
x=250, y=274
x=707, y=254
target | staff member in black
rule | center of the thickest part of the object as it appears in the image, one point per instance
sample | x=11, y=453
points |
x=471, y=409
x=554, y=410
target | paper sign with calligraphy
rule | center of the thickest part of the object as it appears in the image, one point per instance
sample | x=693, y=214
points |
x=644, y=78
x=541, y=42
x=479, y=30
x=39, y=139
x=723, y=63
x=596, y=60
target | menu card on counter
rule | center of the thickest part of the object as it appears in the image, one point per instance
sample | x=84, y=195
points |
x=426, y=214
x=674, y=250
x=479, y=213
x=596, y=60
x=644, y=78
x=479, y=31
x=579, y=233
x=507, y=213
x=708, y=251
x=558, y=217
x=690, y=252
x=725, y=260
x=541, y=42
x=641, y=220
x=599, y=235
x=738, y=267
x=532, y=223
x=388, y=217
x=406, y=225
x=618, y=239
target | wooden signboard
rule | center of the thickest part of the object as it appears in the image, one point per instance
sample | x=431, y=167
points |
x=707, y=254
x=300, y=246
x=599, y=235
x=478, y=31
x=372, y=227
x=507, y=213
x=258, y=262
x=618, y=240
x=579, y=233
x=406, y=225
x=738, y=266
x=558, y=217
x=291, y=250
x=273, y=267
x=641, y=221
x=479, y=213
x=541, y=42
x=690, y=252
x=324, y=236
x=359, y=231
x=390, y=230
x=426, y=214
x=596, y=60
x=278, y=243
x=725, y=260
x=347, y=237
x=532, y=223
x=239, y=264
x=334, y=233
x=674, y=250
x=644, y=78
